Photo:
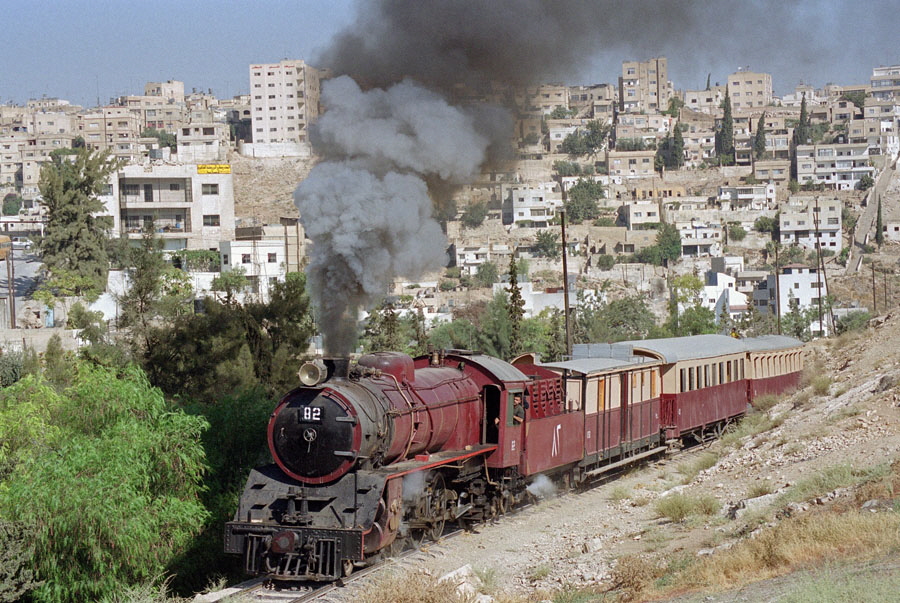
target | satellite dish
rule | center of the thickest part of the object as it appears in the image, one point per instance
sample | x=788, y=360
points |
x=312, y=373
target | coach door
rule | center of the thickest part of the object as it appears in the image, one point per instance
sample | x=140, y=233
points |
x=625, y=389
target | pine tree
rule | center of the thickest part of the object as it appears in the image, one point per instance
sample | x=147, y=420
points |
x=77, y=233
x=678, y=148
x=879, y=226
x=146, y=267
x=725, y=133
x=708, y=76
x=515, y=307
x=759, y=142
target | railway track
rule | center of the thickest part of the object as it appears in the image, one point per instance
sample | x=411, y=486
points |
x=262, y=590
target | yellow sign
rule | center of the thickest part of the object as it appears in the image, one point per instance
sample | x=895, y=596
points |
x=214, y=168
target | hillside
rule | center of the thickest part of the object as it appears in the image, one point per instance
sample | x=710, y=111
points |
x=264, y=188
x=805, y=482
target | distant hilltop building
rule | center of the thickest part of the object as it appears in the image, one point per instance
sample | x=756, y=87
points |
x=644, y=86
x=886, y=82
x=749, y=89
x=284, y=101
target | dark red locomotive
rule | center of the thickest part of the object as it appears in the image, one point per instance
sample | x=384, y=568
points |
x=383, y=455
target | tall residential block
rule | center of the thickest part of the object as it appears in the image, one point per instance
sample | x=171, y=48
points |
x=885, y=82
x=644, y=86
x=749, y=89
x=284, y=101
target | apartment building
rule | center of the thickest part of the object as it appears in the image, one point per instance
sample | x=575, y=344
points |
x=700, y=238
x=528, y=206
x=772, y=170
x=170, y=90
x=548, y=97
x=116, y=129
x=284, y=102
x=721, y=297
x=637, y=214
x=837, y=165
x=191, y=206
x=749, y=89
x=885, y=82
x=880, y=133
x=747, y=196
x=157, y=112
x=470, y=257
x=647, y=127
x=263, y=262
x=631, y=164
x=559, y=129
x=202, y=139
x=798, y=287
x=804, y=220
x=644, y=86
x=600, y=99
x=705, y=101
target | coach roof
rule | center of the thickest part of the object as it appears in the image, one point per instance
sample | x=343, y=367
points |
x=589, y=366
x=688, y=348
x=771, y=343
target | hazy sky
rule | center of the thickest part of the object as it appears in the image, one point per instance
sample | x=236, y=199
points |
x=81, y=49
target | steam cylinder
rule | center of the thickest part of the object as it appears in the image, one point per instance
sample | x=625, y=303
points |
x=318, y=434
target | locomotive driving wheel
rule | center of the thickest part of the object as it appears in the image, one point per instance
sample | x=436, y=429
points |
x=429, y=515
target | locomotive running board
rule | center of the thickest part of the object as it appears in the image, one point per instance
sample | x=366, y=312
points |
x=627, y=461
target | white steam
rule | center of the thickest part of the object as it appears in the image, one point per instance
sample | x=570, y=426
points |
x=366, y=207
x=542, y=487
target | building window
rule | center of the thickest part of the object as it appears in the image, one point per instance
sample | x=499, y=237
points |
x=211, y=220
x=174, y=186
x=273, y=258
x=210, y=189
x=245, y=258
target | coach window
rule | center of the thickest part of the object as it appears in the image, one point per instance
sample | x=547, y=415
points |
x=601, y=395
x=683, y=380
x=654, y=375
x=691, y=377
x=706, y=381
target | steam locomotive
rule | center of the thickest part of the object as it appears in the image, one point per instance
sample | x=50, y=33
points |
x=380, y=456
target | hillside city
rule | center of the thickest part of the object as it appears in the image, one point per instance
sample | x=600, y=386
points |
x=724, y=175
x=160, y=287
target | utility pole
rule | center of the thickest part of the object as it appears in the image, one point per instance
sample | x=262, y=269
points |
x=11, y=286
x=874, y=303
x=818, y=264
x=777, y=292
x=565, y=267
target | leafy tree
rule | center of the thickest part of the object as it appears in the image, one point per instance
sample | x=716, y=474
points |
x=515, y=306
x=765, y=224
x=857, y=97
x=382, y=331
x=199, y=260
x=107, y=474
x=631, y=144
x=475, y=214
x=78, y=142
x=574, y=144
x=231, y=283
x=459, y=334
x=852, y=321
x=759, y=141
x=12, y=368
x=879, y=226
x=495, y=335
x=865, y=183
x=232, y=347
x=582, y=201
x=675, y=105
x=17, y=575
x=12, y=203
x=487, y=274
x=736, y=232
x=165, y=139
x=532, y=138
x=605, y=261
x=139, y=303
x=76, y=236
x=588, y=140
x=618, y=320
x=725, y=131
x=560, y=112
x=686, y=314
x=547, y=244
x=566, y=168
x=669, y=242
x=446, y=211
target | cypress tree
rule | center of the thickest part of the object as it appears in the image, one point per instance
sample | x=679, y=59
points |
x=708, y=75
x=879, y=226
x=678, y=148
x=725, y=134
x=759, y=142
x=801, y=132
x=515, y=307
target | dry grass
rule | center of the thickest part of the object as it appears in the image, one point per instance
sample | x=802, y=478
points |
x=619, y=493
x=821, y=385
x=760, y=488
x=412, y=588
x=690, y=469
x=832, y=478
x=798, y=542
x=751, y=425
x=678, y=507
x=765, y=402
x=633, y=574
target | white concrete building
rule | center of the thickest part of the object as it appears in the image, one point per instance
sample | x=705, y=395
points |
x=191, y=206
x=203, y=138
x=263, y=261
x=700, y=238
x=749, y=196
x=638, y=213
x=838, y=165
x=531, y=206
x=798, y=286
x=721, y=297
x=804, y=220
x=284, y=102
x=470, y=257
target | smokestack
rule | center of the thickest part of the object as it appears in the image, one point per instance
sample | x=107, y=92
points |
x=338, y=368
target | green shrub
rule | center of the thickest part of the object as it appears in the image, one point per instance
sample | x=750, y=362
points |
x=821, y=384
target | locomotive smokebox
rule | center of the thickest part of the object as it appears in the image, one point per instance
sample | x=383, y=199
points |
x=337, y=367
